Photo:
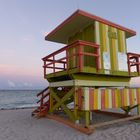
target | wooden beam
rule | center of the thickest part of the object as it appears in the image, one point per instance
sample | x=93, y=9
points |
x=60, y=102
x=114, y=121
x=86, y=83
x=70, y=124
x=114, y=114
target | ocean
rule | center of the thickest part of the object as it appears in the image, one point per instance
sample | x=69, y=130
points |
x=10, y=99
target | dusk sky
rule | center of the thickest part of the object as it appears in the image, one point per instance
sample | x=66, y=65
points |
x=24, y=23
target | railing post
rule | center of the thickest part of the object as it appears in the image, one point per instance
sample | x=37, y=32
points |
x=128, y=63
x=80, y=57
x=53, y=64
x=137, y=65
x=67, y=60
x=97, y=59
x=41, y=102
x=44, y=68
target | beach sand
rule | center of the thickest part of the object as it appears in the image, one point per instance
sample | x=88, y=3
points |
x=19, y=125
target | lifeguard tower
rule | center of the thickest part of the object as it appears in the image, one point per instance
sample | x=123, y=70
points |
x=91, y=73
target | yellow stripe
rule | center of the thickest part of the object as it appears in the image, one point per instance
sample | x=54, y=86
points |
x=133, y=102
x=99, y=100
x=97, y=38
x=119, y=97
x=116, y=98
x=114, y=50
x=139, y=94
x=122, y=41
x=95, y=99
x=104, y=38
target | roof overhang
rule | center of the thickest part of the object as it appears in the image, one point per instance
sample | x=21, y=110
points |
x=76, y=22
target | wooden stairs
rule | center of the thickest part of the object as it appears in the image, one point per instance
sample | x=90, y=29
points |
x=44, y=100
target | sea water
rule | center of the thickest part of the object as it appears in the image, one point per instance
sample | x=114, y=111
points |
x=10, y=99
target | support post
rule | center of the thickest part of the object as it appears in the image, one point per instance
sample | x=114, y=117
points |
x=87, y=117
x=51, y=103
x=75, y=106
x=138, y=109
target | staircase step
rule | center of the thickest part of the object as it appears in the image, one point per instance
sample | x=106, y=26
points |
x=42, y=110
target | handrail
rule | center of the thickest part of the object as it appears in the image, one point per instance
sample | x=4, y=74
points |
x=40, y=93
x=78, y=42
x=133, y=54
x=44, y=96
x=133, y=59
x=78, y=45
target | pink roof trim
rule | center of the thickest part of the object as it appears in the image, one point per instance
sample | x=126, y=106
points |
x=94, y=17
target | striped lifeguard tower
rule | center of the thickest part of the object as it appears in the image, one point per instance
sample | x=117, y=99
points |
x=91, y=73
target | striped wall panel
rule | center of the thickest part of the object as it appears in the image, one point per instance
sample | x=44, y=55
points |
x=96, y=99
x=112, y=41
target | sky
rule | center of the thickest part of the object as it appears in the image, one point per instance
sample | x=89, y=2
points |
x=24, y=24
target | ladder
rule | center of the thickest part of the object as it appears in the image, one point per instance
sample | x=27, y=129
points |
x=44, y=103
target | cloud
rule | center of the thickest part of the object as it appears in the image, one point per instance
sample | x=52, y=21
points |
x=26, y=84
x=11, y=84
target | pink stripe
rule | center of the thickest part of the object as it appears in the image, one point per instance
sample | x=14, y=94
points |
x=80, y=98
x=122, y=97
x=103, y=99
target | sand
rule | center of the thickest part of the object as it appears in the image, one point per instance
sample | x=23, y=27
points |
x=19, y=125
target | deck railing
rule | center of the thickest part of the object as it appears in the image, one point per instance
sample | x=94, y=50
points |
x=133, y=59
x=59, y=60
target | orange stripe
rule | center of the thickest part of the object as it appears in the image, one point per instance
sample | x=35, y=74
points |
x=80, y=98
x=113, y=98
x=122, y=97
x=103, y=99
x=91, y=98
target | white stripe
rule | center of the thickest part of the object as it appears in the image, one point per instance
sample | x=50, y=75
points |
x=135, y=97
x=86, y=93
x=110, y=98
x=99, y=99
x=127, y=97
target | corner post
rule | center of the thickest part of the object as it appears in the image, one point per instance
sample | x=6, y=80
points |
x=87, y=117
x=138, y=109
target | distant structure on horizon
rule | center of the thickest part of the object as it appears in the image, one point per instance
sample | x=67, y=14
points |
x=91, y=73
